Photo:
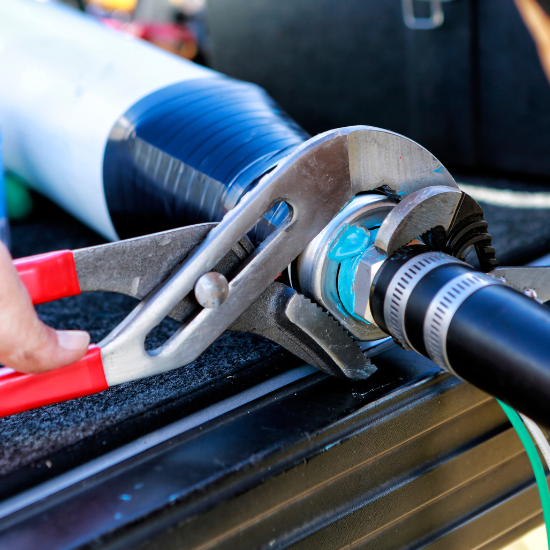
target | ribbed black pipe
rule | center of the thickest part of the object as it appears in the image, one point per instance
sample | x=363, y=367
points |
x=187, y=153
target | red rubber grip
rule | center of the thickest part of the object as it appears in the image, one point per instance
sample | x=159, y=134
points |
x=22, y=392
x=49, y=276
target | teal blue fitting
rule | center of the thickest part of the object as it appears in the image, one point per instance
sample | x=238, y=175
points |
x=346, y=280
x=352, y=240
x=347, y=248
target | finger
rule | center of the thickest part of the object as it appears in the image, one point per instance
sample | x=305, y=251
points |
x=26, y=343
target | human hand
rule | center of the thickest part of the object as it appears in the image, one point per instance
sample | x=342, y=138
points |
x=26, y=343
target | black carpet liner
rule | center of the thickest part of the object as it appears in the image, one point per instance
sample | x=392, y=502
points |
x=40, y=444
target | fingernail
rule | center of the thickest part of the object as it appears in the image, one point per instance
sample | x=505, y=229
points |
x=73, y=339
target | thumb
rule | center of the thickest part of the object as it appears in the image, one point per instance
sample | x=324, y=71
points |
x=26, y=343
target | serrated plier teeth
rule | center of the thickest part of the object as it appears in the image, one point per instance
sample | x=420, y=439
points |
x=305, y=329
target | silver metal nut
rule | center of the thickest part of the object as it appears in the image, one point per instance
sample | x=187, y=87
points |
x=367, y=268
x=211, y=289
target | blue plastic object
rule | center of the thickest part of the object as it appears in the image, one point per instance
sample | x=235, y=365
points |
x=347, y=249
x=4, y=226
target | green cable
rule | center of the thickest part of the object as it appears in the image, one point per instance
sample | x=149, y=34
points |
x=536, y=464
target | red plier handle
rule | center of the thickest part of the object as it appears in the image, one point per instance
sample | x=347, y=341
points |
x=49, y=277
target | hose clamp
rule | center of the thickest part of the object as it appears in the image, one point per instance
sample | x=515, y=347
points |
x=401, y=286
x=442, y=309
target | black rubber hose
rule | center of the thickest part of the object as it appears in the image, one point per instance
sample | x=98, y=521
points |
x=498, y=339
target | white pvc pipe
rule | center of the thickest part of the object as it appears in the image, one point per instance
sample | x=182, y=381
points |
x=65, y=79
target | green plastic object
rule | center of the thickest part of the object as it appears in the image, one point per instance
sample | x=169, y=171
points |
x=18, y=198
x=536, y=464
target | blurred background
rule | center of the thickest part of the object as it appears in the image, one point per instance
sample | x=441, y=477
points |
x=471, y=89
